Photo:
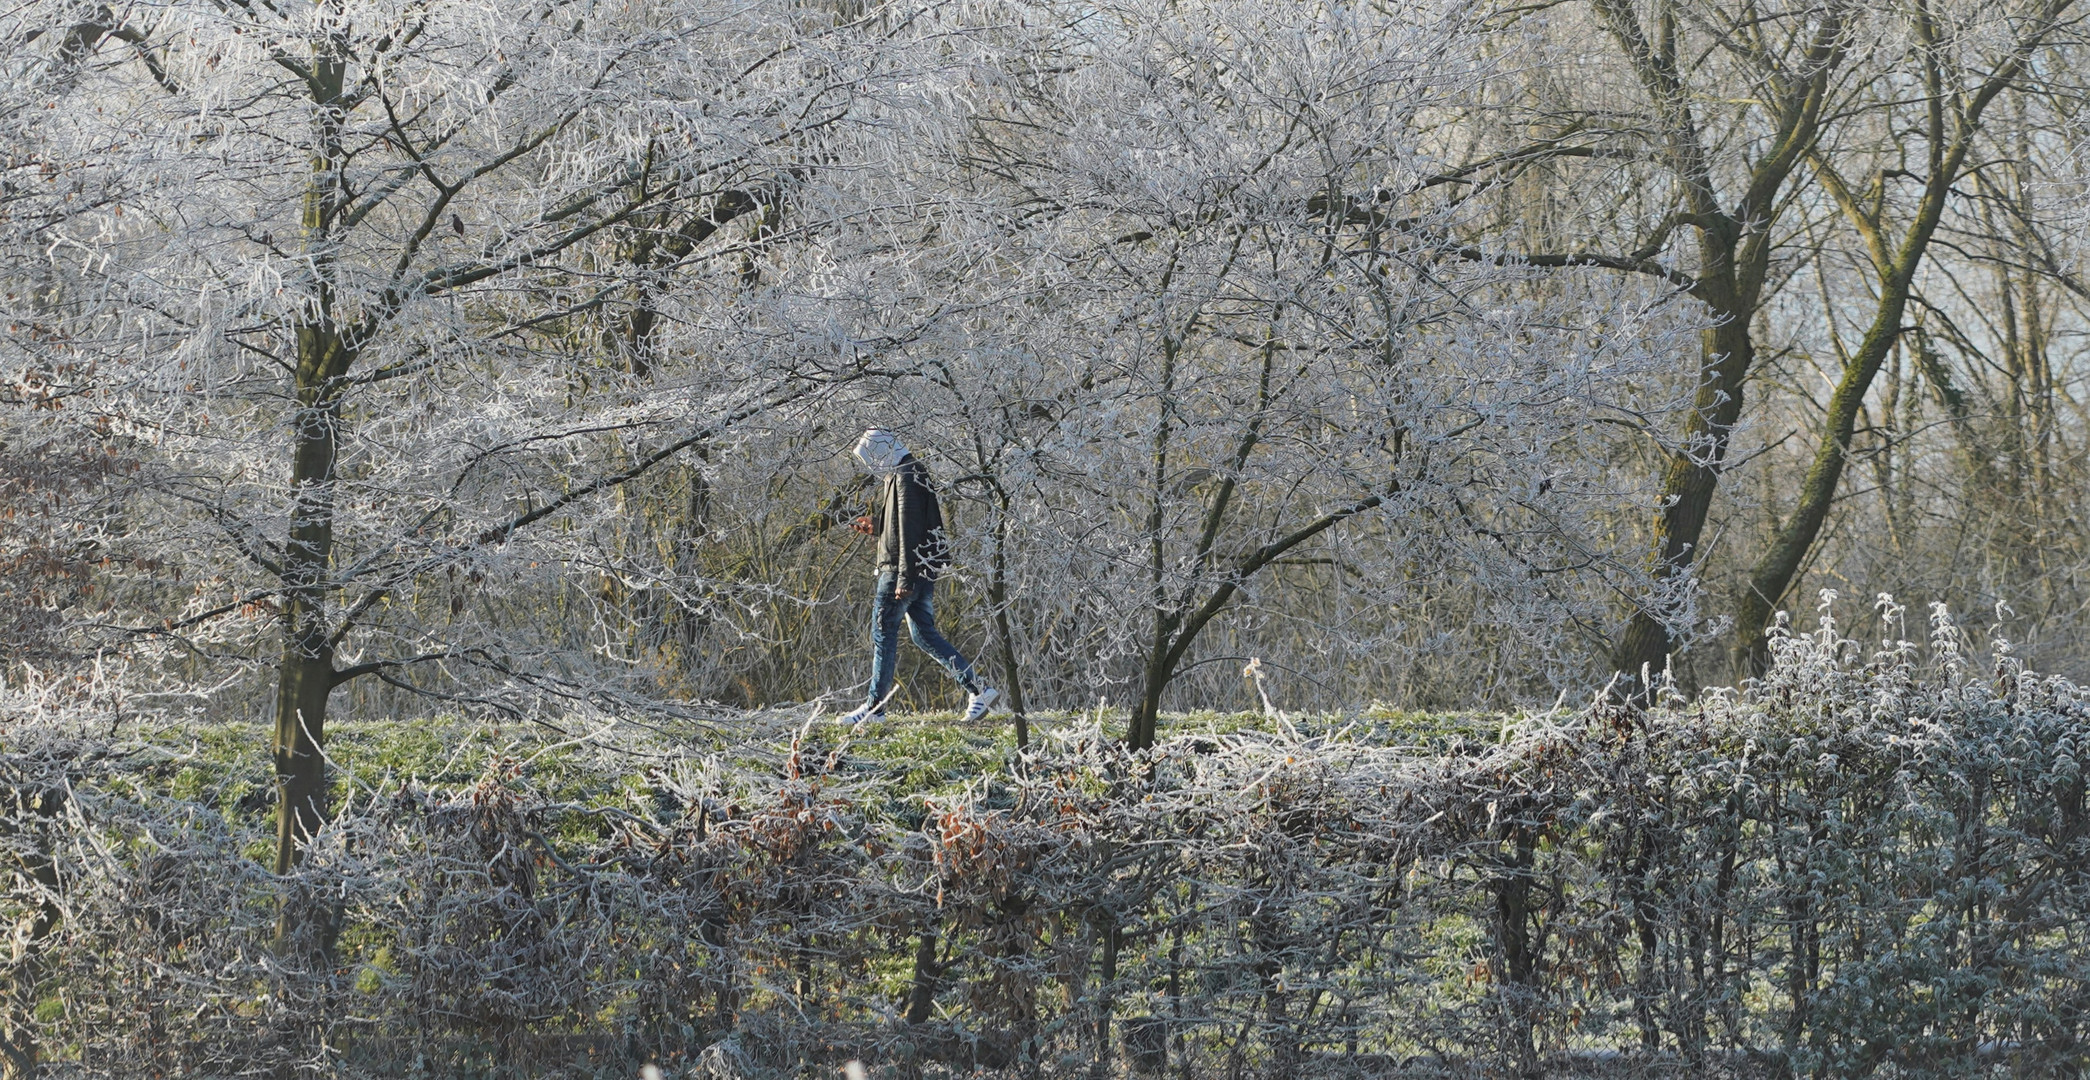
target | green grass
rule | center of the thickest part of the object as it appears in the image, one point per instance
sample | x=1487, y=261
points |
x=226, y=767
x=932, y=754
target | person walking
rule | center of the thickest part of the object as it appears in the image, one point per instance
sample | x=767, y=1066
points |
x=912, y=553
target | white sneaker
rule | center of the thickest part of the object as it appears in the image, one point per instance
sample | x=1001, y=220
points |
x=981, y=704
x=863, y=714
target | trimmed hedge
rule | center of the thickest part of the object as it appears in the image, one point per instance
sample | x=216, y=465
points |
x=1865, y=865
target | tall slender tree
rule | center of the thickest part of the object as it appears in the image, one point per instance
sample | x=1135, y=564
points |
x=1694, y=119
x=341, y=284
x=1932, y=113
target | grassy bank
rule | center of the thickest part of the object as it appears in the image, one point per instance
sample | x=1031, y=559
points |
x=225, y=767
x=1864, y=868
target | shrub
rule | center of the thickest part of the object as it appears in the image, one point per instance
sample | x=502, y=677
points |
x=1864, y=865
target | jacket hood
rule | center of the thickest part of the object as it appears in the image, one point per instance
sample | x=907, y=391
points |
x=881, y=451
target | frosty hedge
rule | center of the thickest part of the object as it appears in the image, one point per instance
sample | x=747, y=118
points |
x=1874, y=862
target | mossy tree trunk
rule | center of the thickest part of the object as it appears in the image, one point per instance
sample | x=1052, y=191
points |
x=1735, y=245
x=306, y=676
x=1952, y=121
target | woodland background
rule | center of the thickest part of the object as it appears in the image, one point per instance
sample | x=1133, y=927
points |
x=1446, y=356
x=453, y=362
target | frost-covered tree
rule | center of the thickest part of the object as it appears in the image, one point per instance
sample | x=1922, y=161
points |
x=1736, y=151
x=1920, y=133
x=349, y=270
x=1218, y=357
x=505, y=358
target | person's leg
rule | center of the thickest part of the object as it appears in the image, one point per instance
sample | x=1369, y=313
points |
x=921, y=622
x=886, y=613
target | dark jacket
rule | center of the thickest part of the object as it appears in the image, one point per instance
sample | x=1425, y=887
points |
x=908, y=522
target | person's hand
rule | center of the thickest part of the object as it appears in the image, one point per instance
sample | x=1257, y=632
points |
x=862, y=525
x=901, y=591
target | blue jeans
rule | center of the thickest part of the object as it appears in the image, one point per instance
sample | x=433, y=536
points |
x=920, y=614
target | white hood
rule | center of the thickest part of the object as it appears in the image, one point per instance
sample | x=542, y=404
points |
x=881, y=451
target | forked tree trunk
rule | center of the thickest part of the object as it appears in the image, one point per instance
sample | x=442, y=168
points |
x=1950, y=139
x=1734, y=249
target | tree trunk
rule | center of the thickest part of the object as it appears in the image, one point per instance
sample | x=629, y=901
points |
x=1144, y=725
x=998, y=594
x=1514, y=966
x=1726, y=354
x=1895, y=269
x=1775, y=570
x=19, y=1054
x=1139, y=732
x=306, y=678
x=1106, y=996
x=921, y=993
